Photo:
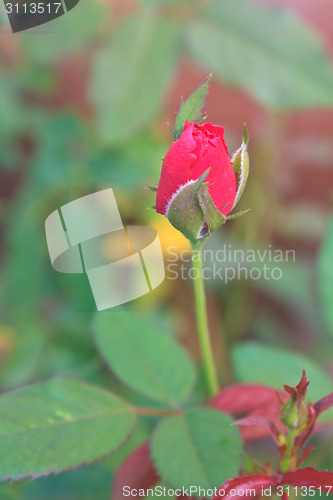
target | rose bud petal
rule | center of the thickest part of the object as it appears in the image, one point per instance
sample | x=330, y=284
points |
x=199, y=148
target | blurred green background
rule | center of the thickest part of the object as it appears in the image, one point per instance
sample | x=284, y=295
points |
x=84, y=105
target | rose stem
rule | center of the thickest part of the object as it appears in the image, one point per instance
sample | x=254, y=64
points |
x=201, y=315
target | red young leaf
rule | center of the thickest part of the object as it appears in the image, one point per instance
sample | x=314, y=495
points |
x=270, y=411
x=309, y=477
x=299, y=391
x=252, y=485
x=261, y=422
x=137, y=471
x=303, y=385
x=323, y=404
x=251, y=400
x=239, y=399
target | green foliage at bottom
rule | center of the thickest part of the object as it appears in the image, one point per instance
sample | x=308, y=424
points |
x=59, y=425
x=197, y=448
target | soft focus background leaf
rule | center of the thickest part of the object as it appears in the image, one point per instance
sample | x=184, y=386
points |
x=59, y=425
x=254, y=362
x=83, y=484
x=144, y=357
x=71, y=32
x=325, y=276
x=139, y=61
x=269, y=52
x=202, y=439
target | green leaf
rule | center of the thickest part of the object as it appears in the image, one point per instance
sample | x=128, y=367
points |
x=257, y=363
x=133, y=166
x=17, y=368
x=144, y=357
x=59, y=425
x=199, y=448
x=325, y=276
x=131, y=75
x=192, y=109
x=269, y=52
x=93, y=483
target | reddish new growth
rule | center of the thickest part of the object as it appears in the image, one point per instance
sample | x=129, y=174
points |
x=261, y=411
x=298, y=420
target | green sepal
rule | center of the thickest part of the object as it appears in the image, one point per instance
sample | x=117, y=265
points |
x=201, y=179
x=192, y=108
x=213, y=217
x=238, y=214
x=241, y=164
x=151, y=188
x=185, y=213
x=192, y=206
x=289, y=414
x=245, y=134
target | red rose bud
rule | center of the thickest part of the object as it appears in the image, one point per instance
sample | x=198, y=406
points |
x=290, y=414
x=298, y=392
x=198, y=185
x=294, y=412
